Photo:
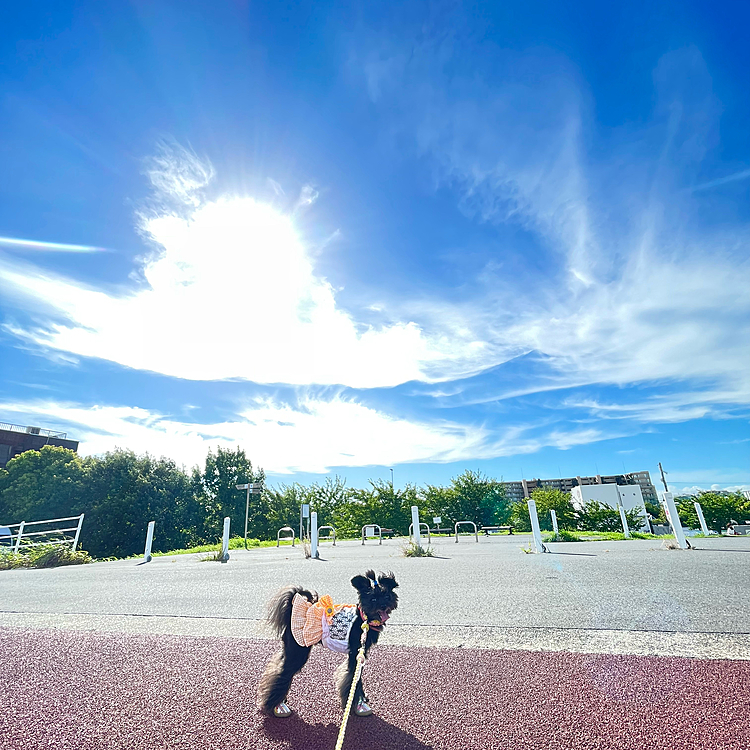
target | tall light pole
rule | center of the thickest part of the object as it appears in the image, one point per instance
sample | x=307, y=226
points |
x=391, y=478
x=255, y=488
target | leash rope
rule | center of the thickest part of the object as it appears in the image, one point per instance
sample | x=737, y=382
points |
x=352, y=689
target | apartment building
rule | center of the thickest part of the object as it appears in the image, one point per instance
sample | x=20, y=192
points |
x=523, y=489
x=15, y=439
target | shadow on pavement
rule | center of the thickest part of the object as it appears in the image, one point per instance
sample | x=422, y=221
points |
x=575, y=554
x=716, y=549
x=361, y=733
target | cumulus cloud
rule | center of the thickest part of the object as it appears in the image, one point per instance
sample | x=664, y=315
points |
x=231, y=293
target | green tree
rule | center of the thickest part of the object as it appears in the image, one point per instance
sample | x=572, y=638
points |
x=548, y=499
x=43, y=484
x=596, y=516
x=284, y=507
x=719, y=509
x=219, y=496
x=471, y=496
x=123, y=492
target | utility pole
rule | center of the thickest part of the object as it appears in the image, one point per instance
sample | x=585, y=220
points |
x=663, y=478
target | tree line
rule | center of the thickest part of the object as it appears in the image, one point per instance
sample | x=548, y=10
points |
x=120, y=492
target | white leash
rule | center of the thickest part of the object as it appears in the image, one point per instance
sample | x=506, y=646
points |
x=357, y=674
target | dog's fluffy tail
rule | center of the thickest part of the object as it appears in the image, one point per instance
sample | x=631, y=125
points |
x=279, y=612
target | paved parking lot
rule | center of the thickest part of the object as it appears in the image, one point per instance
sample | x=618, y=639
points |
x=618, y=586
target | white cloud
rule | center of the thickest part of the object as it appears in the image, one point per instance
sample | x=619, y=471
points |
x=697, y=489
x=628, y=287
x=233, y=294
x=679, y=407
x=177, y=173
x=311, y=435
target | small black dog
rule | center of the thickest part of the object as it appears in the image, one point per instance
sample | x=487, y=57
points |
x=301, y=619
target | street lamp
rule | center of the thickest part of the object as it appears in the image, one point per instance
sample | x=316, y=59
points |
x=255, y=488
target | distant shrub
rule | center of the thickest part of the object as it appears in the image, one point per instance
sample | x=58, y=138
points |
x=44, y=556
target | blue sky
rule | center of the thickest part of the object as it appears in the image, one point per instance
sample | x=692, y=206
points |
x=356, y=237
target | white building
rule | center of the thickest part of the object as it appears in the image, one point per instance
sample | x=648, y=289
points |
x=611, y=494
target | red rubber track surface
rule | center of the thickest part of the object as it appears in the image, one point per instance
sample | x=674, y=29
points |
x=62, y=689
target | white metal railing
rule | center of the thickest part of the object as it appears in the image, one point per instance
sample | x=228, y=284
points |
x=8, y=427
x=466, y=523
x=286, y=538
x=368, y=531
x=332, y=535
x=421, y=524
x=45, y=536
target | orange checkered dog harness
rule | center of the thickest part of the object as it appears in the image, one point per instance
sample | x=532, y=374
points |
x=322, y=622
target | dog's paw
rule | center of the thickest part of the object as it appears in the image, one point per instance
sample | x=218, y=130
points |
x=282, y=711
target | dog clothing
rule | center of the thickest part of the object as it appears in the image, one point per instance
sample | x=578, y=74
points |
x=322, y=622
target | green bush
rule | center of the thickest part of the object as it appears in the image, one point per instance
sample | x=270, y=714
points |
x=44, y=556
x=596, y=516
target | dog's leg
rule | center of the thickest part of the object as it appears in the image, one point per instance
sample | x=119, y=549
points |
x=277, y=679
x=344, y=676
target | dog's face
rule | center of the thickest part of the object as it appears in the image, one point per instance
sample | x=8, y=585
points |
x=376, y=595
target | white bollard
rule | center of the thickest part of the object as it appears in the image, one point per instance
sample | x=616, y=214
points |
x=415, y=528
x=149, y=541
x=701, y=518
x=535, y=530
x=674, y=520
x=19, y=535
x=624, y=521
x=225, y=542
x=314, y=535
x=554, y=522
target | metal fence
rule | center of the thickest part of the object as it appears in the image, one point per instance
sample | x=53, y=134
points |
x=55, y=533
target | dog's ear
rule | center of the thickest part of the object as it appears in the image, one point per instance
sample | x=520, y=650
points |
x=362, y=584
x=388, y=581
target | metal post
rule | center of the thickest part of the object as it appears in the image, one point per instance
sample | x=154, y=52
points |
x=415, y=523
x=701, y=518
x=624, y=520
x=314, y=535
x=225, y=542
x=535, y=530
x=674, y=519
x=18, y=537
x=247, y=511
x=149, y=541
x=78, y=532
x=663, y=478
x=554, y=522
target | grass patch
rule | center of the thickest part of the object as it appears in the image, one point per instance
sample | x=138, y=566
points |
x=44, y=556
x=213, y=556
x=562, y=536
x=235, y=542
x=566, y=535
x=413, y=550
